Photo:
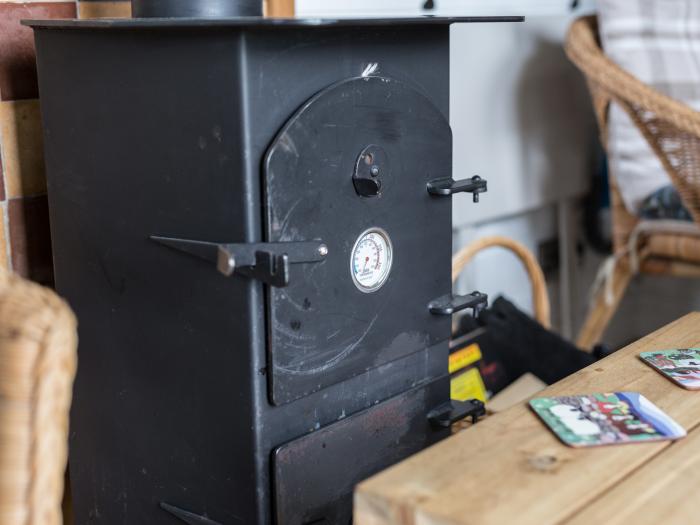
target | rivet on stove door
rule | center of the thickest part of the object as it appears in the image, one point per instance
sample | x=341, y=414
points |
x=323, y=250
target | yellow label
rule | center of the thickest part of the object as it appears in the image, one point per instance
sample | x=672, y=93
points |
x=464, y=357
x=468, y=385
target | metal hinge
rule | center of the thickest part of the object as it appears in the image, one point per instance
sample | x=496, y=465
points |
x=447, y=414
x=452, y=303
x=266, y=261
x=449, y=186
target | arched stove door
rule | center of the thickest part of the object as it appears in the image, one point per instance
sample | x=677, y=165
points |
x=351, y=169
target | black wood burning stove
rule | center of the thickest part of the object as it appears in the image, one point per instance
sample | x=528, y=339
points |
x=310, y=161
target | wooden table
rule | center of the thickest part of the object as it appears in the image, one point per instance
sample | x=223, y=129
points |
x=510, y=469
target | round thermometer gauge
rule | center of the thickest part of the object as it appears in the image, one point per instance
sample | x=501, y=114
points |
x=371, y=259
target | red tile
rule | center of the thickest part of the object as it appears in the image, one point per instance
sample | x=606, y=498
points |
x=17, y=57
x=30, y=238
x=2, y=182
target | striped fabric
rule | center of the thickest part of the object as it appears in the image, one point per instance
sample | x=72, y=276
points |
x=657, y=41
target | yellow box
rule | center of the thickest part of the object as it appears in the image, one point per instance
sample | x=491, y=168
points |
x=468, y=385
x=464, y=357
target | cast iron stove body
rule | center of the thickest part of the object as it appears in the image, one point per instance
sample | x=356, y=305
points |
x=252, y=219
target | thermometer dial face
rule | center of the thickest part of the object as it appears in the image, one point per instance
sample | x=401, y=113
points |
x=371, y=259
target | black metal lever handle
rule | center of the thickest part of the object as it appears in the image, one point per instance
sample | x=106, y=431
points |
x=447, y=414
x=452, y=303
x=270, y=268
x=188, y=517
x=266, y=261
x=449, y=186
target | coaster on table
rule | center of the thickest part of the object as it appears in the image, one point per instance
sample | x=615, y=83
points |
x=682, y=366
x=605, y=419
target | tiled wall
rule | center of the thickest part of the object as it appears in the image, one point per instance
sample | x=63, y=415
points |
x=24, y=223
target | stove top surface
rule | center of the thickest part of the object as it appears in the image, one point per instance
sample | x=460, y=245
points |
x=263, y=22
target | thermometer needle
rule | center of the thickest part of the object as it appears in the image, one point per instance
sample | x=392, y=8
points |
x=366, y=261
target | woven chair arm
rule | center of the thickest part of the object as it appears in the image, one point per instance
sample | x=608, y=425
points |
x=583, y=49
x=38, y=357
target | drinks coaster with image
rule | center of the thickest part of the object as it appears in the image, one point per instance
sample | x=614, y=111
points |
x=605, y=419
x=682, y=366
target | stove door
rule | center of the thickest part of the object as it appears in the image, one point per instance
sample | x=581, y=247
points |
x=350, y=168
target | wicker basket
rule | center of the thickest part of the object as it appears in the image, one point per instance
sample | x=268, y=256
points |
x=540, y=298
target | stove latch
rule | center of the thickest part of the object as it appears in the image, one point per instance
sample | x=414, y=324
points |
x=449, y=186
x=265, y=261
x=452, y=303
x=371, y=166
x=452, y=412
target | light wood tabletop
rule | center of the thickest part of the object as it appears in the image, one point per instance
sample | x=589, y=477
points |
x=509, y=468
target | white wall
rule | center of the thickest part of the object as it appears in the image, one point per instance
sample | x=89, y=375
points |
x=442, y=7
x=520, y=116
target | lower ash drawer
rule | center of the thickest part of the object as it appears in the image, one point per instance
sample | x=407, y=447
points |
x=314, y=475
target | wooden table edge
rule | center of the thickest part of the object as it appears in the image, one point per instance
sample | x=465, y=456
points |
x=371, y=507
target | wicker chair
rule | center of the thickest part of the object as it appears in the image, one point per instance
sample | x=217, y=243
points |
x=672, y=129
x=37, y=365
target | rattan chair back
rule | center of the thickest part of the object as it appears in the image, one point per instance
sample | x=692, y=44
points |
x=671, y=128
x=37, y=365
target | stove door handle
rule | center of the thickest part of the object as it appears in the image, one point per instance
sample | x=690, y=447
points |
x=452, y=303
x=266, y=261
x=186, y=516
x=449, y=186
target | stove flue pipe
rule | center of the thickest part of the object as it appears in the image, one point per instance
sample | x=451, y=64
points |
x=195, y=8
